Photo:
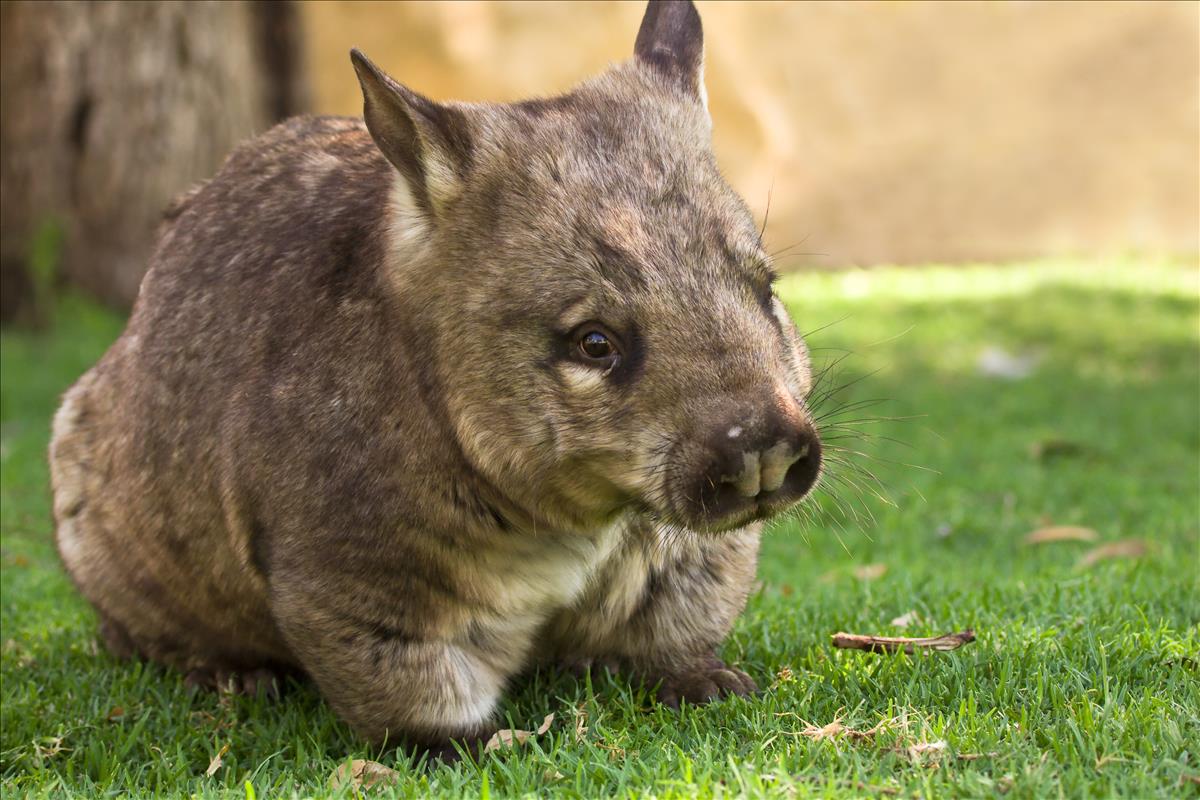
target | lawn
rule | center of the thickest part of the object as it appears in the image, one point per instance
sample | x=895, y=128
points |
x=1009, y=399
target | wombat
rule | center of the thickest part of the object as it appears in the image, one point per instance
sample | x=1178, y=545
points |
x=411, y=406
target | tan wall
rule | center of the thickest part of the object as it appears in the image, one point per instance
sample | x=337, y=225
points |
x=891, y=131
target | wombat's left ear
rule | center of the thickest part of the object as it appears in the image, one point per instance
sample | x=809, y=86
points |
x=429, y=143
x=671, y=40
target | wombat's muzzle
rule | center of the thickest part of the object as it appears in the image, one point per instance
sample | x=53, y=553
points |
x=759, y=462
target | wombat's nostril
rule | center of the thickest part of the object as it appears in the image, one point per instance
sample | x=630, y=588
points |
x=749, y=482
x=755, y=464
x=776, y=462
x=765, y=471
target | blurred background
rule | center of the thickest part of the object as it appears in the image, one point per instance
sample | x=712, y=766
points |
x=989, y=214
x=880, y=132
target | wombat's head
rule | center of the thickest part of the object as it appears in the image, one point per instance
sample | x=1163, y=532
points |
x=605, y=330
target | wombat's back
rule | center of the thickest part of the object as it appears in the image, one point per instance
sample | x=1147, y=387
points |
x=251, y=271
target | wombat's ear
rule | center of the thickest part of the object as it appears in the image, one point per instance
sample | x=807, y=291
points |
x=428, y=142
x=671, y=40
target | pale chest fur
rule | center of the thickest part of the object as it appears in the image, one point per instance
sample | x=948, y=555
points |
x=541, y=574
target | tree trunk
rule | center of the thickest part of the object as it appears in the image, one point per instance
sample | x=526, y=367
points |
x=111, y=110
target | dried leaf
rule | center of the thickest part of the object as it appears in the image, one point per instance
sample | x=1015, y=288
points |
x=1061, y=533
x=870, y=572
x=509, y=737
x=1126, y=548
x=362, y=774
x=506, y=737
x=53, y=745
x=904, y=620
x=216, y=762
x=785, y=675
x=115, y=713
x=892, y=644
x=920, y=749
x=580, y=720
x=836, y=729
x=826, y=732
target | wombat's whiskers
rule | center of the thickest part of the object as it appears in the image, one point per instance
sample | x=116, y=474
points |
x=850, y=486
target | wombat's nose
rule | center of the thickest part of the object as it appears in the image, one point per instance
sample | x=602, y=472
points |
x=759, y=459
x=762, y=458
x=765, y=462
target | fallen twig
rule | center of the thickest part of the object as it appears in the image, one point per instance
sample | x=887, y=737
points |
x=892, y=644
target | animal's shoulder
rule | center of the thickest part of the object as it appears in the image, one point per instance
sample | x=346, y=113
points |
x=298, y=154
x=344, y=136
x=297, y=209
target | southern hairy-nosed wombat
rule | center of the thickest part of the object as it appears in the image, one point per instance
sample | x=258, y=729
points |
x=412, y=406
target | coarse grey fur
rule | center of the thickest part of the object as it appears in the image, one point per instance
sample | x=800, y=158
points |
x=412, y=406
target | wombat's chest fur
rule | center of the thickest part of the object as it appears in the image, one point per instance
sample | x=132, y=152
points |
x=412, y=406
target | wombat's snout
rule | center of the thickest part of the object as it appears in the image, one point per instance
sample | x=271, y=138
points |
x=760, y=460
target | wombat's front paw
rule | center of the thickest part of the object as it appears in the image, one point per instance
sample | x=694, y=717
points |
x=450, y=751
x=583, y=666
x=229, y=681
x=704, y=683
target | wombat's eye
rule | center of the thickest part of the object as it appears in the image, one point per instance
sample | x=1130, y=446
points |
x=595, y=346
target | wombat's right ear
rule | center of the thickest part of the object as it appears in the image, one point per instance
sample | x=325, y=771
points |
x=671, y=41
x=429, y=143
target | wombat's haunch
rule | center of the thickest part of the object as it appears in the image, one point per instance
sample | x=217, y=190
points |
x=413, y=405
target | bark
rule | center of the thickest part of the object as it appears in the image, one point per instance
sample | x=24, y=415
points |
x=112, y=109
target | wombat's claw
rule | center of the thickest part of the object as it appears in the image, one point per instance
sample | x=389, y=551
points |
x=230, y=681
x=596, y=667
x=704, y=684
x=448, y=750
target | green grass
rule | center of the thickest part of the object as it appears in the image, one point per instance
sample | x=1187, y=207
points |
x=1083, y=681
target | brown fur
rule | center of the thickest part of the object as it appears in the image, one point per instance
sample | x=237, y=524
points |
x=348, y=429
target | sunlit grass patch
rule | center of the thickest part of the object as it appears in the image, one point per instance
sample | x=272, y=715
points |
x=1083, y=679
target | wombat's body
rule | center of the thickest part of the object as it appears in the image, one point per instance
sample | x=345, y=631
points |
x=360, y=424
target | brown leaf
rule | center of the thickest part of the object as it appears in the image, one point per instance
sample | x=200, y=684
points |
x=580, y=715
x=362, y=774
x=115, y=713
x=1061, y=533
x=53, y=745
x=785, y=675
x=870, y=572
x=1126, y=548
x=921, y=749
x=216, y=762
x=509, y=737
x=825, y=732
x=836, y=729
x=892, y=644
x=904, y=620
